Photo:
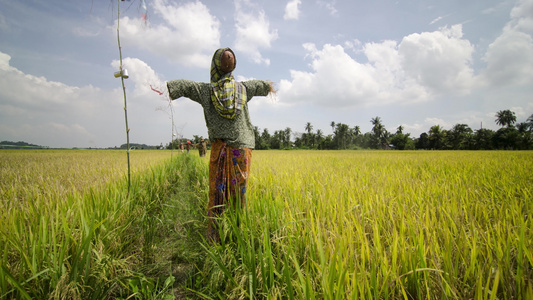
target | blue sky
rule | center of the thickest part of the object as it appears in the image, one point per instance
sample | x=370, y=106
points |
x=414, y=63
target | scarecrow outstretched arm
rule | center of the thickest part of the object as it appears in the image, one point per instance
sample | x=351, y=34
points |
x=186, y=88
x=256, y=88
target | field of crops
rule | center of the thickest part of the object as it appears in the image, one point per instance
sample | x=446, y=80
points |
x=413, y=225
x=57, y=173
x=69, y=228
x=317, y=225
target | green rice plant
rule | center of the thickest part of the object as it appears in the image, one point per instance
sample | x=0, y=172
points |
x=91, y=242
x=379, y=224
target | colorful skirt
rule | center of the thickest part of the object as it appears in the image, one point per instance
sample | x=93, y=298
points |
x=229, y=169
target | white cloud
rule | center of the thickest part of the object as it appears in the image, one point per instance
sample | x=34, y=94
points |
x=292, y=12
x=510, y=57
x=440, y=60
x=188, y=34
x=329, y=5
x=142, y=75
x=435, y=20
x=253, y=31
x=417, y=69
x=4, y=61
x=49, y=113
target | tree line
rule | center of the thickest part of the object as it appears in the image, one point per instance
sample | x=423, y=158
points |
x=511, y=136
x=19, y=145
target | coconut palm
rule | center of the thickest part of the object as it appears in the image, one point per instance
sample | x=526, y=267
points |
x=308, y=128
x=505, y=118
x=357, y=130
x=287, y=136
x=379, y=133
x=341, y=135
x=436, y=136
x=529, y=123
x=399, y=129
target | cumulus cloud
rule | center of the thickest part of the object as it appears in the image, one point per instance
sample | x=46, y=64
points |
x=440, y=60
x=329, y=5
x=142, y=75
x=510, y=57
x=292, y=12
x=417, y=69
x=37, y=110
x=28, y=103
x=187, y=35
x=253, y=31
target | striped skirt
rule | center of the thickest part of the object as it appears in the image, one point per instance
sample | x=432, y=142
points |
x=229, y=169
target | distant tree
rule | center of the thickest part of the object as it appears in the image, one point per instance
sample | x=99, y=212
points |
x=319, y=137
x=505, y=118
x=447, y=140
x=367, y=140
x=341, y=135
x=308, y=128
x=357, y=137
x=436, y=137
x=277, y=139
x=529, y=123
x=332, y=126
x=423, y=141
x=357, y=130
x=522, y=127
x=379, y=133
x=266, y=139
x=402, y=141
x=506, y=138
x=287, y=137
x=327, y=143
x=460, y=136
x=483, y=139
x=399, y=129
x=258, y=140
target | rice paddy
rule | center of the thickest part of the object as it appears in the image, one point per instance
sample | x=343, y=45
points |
x=317, y=225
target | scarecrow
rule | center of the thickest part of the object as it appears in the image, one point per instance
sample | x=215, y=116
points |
x=225, y=105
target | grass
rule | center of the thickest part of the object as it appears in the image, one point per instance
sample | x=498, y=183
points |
x=412, y=225
x=317, y=225
x=94, y=241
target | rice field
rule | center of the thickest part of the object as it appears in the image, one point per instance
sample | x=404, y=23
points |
x=317, y=225
x=68, y=227
x=58, y=173
x=381, y=225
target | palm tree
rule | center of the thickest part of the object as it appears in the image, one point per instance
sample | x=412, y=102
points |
x=287, y=136
x=379, y=133
x=341, y=134
x=332, y=126
x=529, y=123
x=460, y=135
x=505, y=117
x=357, y=130
x=522, y=127
x=308, y=128
x=319, y=136
x=357, y=133
x=399, y=129
x=435, y=137
x=266, y=138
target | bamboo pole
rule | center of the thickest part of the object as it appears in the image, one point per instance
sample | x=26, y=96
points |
x=125, y=102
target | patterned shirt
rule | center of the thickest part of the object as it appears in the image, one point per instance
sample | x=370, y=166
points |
x=237, y=133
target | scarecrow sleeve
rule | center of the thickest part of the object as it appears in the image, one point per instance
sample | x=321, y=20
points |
x=256, y=88
x=187, y=88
